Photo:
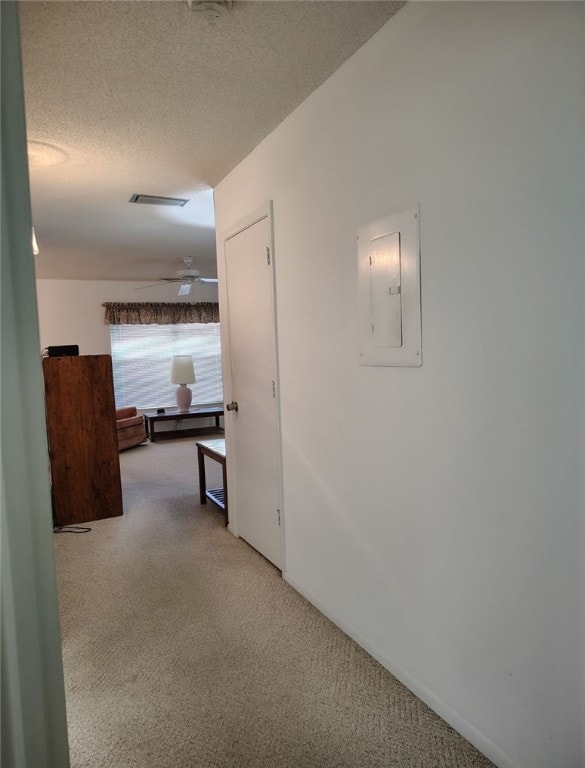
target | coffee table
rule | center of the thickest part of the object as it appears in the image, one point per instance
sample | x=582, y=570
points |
x=172, y=414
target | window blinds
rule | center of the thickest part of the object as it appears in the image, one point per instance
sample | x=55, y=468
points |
x=141, y=359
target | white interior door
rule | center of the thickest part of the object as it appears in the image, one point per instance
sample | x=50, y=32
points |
x=254, y=447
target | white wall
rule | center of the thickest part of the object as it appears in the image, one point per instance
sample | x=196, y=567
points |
x=437, y=513
x=71, y=312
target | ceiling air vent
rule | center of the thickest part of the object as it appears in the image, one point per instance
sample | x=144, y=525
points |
x=156, y=200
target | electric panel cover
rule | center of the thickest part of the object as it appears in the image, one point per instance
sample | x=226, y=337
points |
x=389, y=290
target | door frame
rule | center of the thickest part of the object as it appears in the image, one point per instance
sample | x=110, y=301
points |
x=265, y=211
x=33, y=722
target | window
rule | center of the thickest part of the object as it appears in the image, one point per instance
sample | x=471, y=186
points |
x=141, y=358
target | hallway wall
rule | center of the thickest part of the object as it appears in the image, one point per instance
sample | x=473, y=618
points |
x=437, y=513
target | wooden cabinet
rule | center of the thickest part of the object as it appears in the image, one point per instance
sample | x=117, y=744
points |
x=83, y=447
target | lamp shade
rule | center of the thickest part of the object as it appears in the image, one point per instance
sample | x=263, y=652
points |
x=182, y=371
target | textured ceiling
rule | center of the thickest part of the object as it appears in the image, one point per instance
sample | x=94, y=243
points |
x=146, y=97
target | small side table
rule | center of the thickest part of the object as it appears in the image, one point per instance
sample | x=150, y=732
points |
x=214, y=449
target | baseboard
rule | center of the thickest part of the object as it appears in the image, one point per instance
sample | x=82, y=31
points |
x=455, y=720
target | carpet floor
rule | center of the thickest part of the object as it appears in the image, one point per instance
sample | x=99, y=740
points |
x=184, y=648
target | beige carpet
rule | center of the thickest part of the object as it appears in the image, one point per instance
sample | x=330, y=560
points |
x=183, y=648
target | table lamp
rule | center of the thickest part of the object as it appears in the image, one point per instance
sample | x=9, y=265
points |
x=183, y=373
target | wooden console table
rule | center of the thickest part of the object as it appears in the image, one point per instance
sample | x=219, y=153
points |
x=172, y=414
x=214, y=449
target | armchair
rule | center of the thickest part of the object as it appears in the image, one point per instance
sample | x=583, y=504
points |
x=130, y=428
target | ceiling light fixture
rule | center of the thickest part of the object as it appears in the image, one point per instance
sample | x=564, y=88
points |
x=44, y=155
x=158, y=200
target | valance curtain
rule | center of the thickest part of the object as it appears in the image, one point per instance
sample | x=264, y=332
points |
x=162, y=313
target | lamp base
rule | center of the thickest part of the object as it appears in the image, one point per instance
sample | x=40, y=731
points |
x=184, y=397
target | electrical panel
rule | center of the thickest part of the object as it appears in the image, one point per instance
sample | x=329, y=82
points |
x=389, y=290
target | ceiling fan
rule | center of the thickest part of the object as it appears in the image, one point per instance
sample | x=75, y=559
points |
x=186, y=277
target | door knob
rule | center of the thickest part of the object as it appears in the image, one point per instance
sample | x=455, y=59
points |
x=233, y=406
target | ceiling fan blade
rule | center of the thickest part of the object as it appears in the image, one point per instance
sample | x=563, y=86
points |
x=142, y=287
x=207, y=279
x=185, y=289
